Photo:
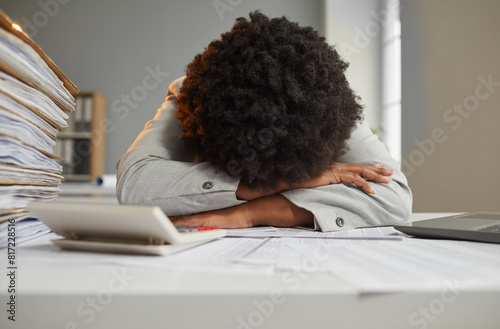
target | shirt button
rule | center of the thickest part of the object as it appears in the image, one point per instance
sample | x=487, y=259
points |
x=339, y=221
x=208, y=185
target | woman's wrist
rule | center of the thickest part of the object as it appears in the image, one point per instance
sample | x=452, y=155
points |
x=276, y=210
x=243, y=192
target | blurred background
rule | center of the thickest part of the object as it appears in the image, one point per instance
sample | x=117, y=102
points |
x=428, y=73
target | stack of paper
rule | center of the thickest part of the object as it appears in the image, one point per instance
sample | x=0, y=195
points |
x=35, y=98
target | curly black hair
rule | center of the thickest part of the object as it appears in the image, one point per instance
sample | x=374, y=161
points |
x=269, y=101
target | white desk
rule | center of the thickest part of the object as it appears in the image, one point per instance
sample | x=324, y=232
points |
x=93, y=296
x=86, y=193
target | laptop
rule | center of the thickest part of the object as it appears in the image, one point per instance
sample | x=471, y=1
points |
x=118, y=228
x=474, y=226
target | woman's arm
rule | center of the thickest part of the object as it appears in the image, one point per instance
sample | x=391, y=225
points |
x=390, y=205
x=349, y=173
x=330, y=205
x=275, y=209
x=158, y=170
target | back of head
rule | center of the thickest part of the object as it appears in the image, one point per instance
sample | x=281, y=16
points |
x=268, y=101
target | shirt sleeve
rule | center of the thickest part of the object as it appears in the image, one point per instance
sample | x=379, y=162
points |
x=343, y=206
x=158, y=170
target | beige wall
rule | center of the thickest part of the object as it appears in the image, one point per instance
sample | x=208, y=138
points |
x=451, y=119
x=345, y=24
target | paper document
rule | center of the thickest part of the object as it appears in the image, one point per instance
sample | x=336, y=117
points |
x=382, y=232
x=16, y=153
x=369, y=265
x=213, y=256
x=15, y=175
x=266, y=253
x=18, y=196
x=26, y=132
x=384, y=266
x=16, y=56
x=34, y=102
x=26, y=228
x=22, y=95
x=7, y=104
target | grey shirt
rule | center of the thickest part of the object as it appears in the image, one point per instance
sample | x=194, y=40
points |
x=159, y=170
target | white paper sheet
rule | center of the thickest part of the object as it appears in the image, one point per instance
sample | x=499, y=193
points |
x=382, y=232
x=214, y=256
x=25, y=131
x=266, y=253
x=18, y=196
x=26, y=228
x=36, y=177
x=371, y=266
x=15, y=153
x=20, y=57
x=407, y=265
x=10, y=104
x=106, y=181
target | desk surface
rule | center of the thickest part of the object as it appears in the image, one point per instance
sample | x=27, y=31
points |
x=58, y=295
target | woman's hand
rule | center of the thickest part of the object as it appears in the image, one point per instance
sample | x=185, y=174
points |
x=350, y=173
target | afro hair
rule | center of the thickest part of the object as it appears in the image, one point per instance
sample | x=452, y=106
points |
x=268, y=102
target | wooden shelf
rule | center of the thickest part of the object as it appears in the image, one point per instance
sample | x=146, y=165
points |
x=75, y=135
x=82, y=144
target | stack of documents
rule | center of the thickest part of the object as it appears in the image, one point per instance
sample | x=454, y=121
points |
x=35, y=98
